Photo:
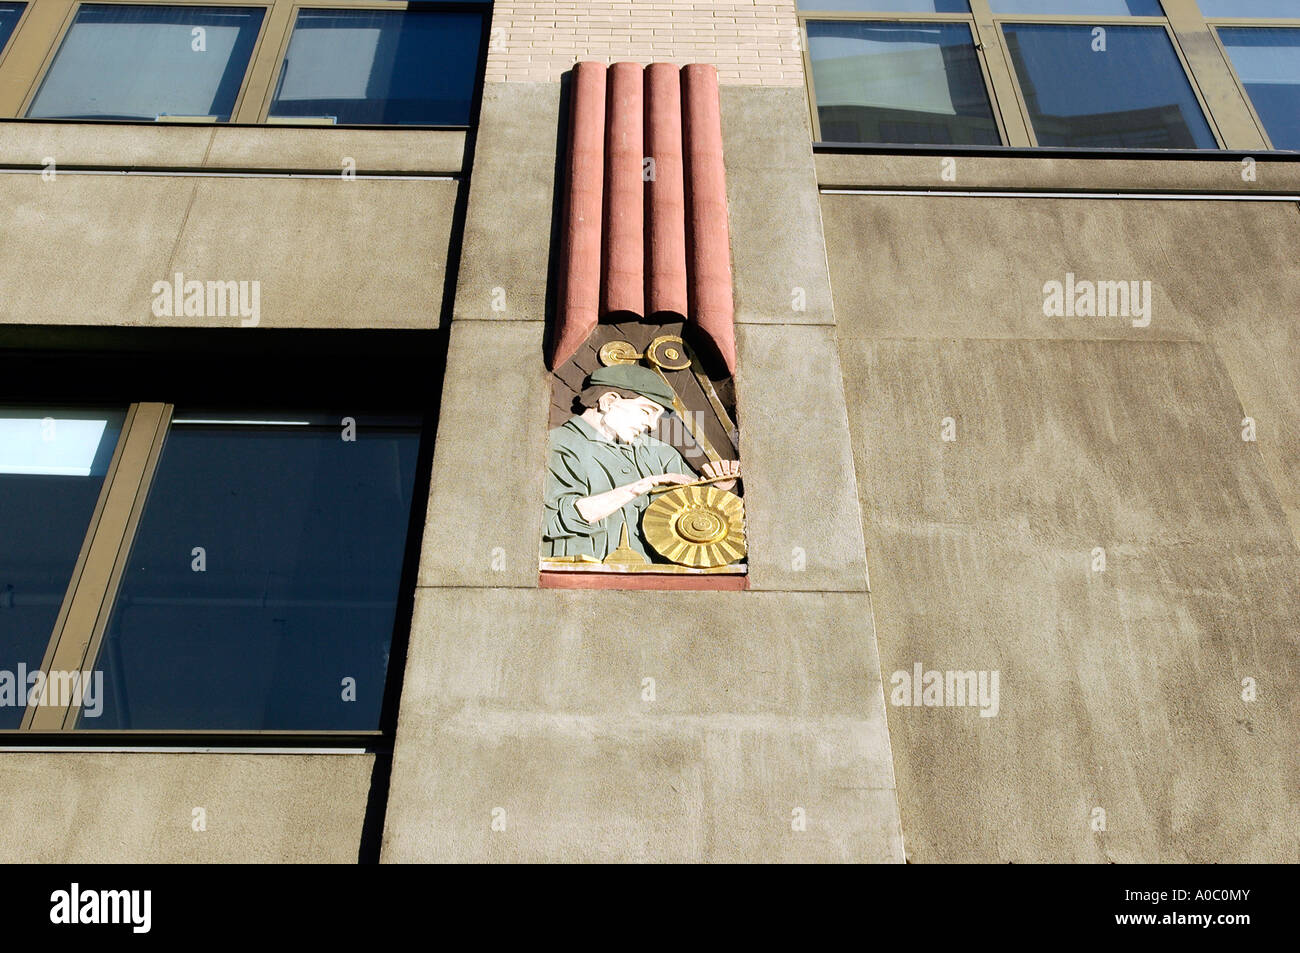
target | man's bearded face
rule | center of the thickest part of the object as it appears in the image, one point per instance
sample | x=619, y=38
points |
x=629, y=418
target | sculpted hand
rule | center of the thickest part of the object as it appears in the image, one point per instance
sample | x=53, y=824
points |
x=723, y=468
x=645, y=484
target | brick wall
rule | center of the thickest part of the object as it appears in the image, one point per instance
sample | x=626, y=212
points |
x=751, y=43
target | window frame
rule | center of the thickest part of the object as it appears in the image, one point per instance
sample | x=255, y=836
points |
x=1217, y=94
x=1001, y=20
x=115, y=368
x=39, y=44
x=1282, y=23
x=893, y=18
x=18, y=25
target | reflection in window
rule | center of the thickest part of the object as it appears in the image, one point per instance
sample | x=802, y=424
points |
x=52, y=467
x=1268, y=62
x=262, y=588
x=1121, y=89
x=1099, y=8
x=9, y=14
x=380, y=67
x=149, y=62
x=899, y=83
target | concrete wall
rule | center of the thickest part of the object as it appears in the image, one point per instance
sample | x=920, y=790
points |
x=530, y=700
x=85, y=246
x=1121, y=689
x=119, y=807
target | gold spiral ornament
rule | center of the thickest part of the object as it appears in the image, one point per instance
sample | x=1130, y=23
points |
x=669, y=353
x=697, y=526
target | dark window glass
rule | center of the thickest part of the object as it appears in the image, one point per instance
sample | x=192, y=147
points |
x=264, y=576
x=380, y=67
x=887, y=6
x=899, y=83
x=1250, y=8
x=52, y=467
x=1122, y=87
x=148, y=62
x=1100, y=8
x=1268, y=62
x=9, y=14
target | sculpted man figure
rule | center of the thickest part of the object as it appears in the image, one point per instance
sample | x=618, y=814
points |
x=603, y=463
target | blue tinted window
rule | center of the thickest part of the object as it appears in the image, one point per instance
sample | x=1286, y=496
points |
x=1122, y=87
x=9, y=14
x=147, y=62
x=1250, y=8
x=264, y=575
x=1268, y=62
x=52, y=467
x=380, y=67
x=899, y=83
x=1099, y=8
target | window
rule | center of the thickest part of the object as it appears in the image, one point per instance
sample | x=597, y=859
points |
x=9, y=14
x=149, y=62
x=1079, y=74
x=1121, y=88
x=899, y=82
x=53, y=462
x=210, y=568
x=340, y=62
x=1267, y=62
x=385, y=67
x=264, y=575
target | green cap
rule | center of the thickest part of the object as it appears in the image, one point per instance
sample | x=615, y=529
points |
x=634, y=377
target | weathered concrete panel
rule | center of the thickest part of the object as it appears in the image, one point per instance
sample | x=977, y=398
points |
x=801, y=510
x=86, y=249
x=778, y=255
x=1120, y=689
x=532, y=701
x=484, y=520
x=509, y=221
x=328, y=253
x=120, y=807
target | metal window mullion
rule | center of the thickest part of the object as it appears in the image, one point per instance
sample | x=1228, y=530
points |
x=1005, y=92
x=84, y=617
x=1213, y=81
x=264, y=65
x=29, y=51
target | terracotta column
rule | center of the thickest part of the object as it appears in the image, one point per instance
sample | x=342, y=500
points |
x=579, y=280
x=709, y=257
x=665, y=192
x=624, y=253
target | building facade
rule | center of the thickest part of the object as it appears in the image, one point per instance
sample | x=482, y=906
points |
x=1010, y=294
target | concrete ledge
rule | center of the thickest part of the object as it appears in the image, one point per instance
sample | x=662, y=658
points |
x=842, y=171
x=192, y=147
x=116, y=807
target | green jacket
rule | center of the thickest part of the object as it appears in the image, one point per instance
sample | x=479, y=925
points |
x=583, y=463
